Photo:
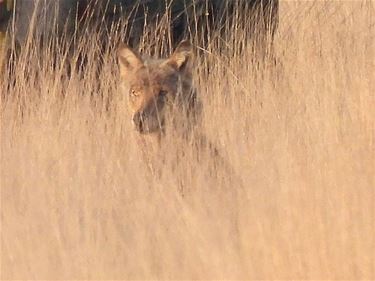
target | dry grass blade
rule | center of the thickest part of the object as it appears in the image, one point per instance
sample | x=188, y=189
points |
x=77, y=201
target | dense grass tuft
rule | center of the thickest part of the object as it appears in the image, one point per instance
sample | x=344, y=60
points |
x=77, y=201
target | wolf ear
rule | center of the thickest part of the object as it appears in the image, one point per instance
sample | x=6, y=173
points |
x=181, y=58
x=129, y=60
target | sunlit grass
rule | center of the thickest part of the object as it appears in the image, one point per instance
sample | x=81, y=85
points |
x=77, y=201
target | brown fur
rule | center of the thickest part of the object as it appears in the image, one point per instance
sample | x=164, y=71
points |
x=156, y=88
x=161, y=98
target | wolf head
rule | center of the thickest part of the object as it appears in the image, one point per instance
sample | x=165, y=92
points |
x=153, y=87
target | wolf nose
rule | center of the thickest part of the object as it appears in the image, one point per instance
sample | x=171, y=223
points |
x=137, y=120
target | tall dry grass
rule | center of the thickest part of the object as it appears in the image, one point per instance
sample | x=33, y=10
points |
x=77, y=201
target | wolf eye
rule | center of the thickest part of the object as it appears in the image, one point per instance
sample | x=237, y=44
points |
x=133, y=93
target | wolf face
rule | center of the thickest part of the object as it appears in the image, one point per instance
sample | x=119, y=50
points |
x=158, y=90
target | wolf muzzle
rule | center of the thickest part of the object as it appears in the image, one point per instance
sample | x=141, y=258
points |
x=145, y=124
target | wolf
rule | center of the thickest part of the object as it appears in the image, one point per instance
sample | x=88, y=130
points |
x=162, y=100
x=161, y=96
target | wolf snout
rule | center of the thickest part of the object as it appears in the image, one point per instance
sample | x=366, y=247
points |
x=146, y=124
x=138, y=121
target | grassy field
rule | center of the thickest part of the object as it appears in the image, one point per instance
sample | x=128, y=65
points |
x=77, y=201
